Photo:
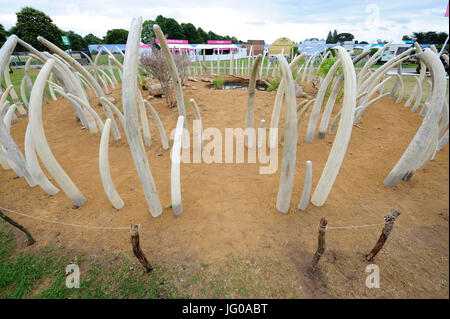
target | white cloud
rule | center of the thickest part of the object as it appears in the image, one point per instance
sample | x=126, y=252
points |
x=266, y=20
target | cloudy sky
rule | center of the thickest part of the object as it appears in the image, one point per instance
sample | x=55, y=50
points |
x=297, y=19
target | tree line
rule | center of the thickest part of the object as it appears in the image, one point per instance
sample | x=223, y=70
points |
x=32, y=23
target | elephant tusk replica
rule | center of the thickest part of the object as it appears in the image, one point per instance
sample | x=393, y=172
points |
x=416, y=151
x=105, y=172
x=249, y=114
x=340, y=144
x=129, y=98
x=175, y=187
x=290, y=140
x=40, y=141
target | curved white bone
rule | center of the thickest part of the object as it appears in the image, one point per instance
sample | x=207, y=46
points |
x=175, y=187
x=306, y=187
x=340, y=144
x=173, y=72
x=290, y=142
x=115, y=109
x=413, y=157
x=319, y=101
x=249, y=114
x=159, y=124
x=13, y=93
x=77, y=66
x=40, y=141
x=402, y=89
x=275, y=119
x=86, y=118
x=199, y=118
x=129, y=98
x=105, y=172
x=419, y=95
x=35, y=168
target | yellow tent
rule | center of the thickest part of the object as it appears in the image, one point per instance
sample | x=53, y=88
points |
x=279, y=44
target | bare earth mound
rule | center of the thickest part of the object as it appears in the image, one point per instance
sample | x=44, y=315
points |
x=230, y=208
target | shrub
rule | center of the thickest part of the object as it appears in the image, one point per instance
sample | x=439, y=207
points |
x=326, y=66
x=274, y=83
x=218, y=82
x=155, y=63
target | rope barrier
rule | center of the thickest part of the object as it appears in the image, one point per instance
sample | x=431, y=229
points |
x=127, y=228
x=65, y=224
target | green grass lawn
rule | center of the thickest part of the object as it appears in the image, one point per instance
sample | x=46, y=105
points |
x=39, y=272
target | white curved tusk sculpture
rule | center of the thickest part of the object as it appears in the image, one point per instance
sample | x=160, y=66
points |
x=173, y=72
x=249, y=114
x=340, y=144
x=275, y=119
x=419, y=95
x=89, y=109
x=306, y=187
x=443, y=141
x=14, y=156
x=402, y=89
x=199, y=118
x=115, y=109
x=6, y=50
x=6, y=94
x=34, y=167
x=319, y=101
x=336, y=88
x=40, y=141
x=290, y=142
x=159, y=124
x=8, y=117
x=423, y=71
x=129, y=96
x=105, y=172
x=175, y=187
x=359, y=111
x=416, y=151
x=370, y=62
x=12, y=92
x=85, y=117
x=77, y=66
x=50, y=88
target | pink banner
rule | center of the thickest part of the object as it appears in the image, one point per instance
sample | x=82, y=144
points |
x=144, y=46
x=218, y=42
x=446, y=12
x=174, y=41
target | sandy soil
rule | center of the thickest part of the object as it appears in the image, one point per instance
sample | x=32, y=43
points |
x=230, y=208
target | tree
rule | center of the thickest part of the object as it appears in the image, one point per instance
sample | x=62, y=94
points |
x=406, y=38
x=32, y=23
x=116, y=36
x=341, y=37
x=92, y=39
x=330, y=38
x=335, y=34
x=147, y=35
x=3, y=34
x=191, y=33
x=77, y=42
x=203, y=35
x=170, y=27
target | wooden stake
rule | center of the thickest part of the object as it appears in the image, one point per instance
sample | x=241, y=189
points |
x=30, y=238
x=321, y=243
x=389, y=220
x=137, y=248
